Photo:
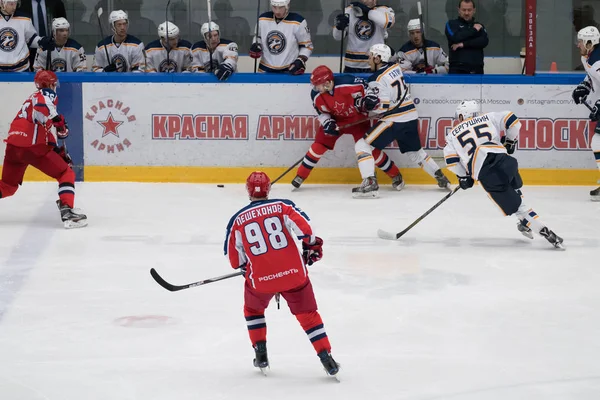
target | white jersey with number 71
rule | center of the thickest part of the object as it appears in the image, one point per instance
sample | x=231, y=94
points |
x=469, y=143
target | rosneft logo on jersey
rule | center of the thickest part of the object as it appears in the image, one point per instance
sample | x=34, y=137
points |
x=8, y=39
x=120, y=62
x=276, y=42
x=364, y=29
x=59, y=65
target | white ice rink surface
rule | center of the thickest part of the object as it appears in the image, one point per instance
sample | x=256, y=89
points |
x=461, y=308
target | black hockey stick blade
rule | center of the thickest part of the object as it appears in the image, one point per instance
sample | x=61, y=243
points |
x=175, y=288
x=395, y=236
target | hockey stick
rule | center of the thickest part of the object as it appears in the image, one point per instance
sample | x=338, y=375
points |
x=49, y=52
x=394, y=236
x=342, y=41
x=168, y=45
x=175, y=288
x=102, y=35
x=210, y=52
x=422, y=33
x=256, y=36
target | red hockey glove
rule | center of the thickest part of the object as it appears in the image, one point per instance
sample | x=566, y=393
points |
x=430, y=70
x=256, y=50
x=62, y=152
x=312, y=252
x=62, y=129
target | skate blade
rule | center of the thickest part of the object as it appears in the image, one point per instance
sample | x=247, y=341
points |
x=595, y=198
x=559, y=246
x=75, y=224
x=399, y=187
x=369, y=195
x=263, y=371
x=528, y=235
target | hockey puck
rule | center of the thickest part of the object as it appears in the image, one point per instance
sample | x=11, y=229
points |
x=221, y=186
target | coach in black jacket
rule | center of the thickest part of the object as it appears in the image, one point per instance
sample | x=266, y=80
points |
x=466, y=41
x=50, y=9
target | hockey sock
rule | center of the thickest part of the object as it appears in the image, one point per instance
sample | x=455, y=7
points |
x=66, y=188
x=596, y=147
x=366, y=162
x=424, y=161
x=312, y=157
x=257, y=325
x=530, y=217
x=313, y=326
x=384, y=163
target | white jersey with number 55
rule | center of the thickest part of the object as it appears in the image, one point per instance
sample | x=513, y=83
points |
x=469, y=143
x=394, y=95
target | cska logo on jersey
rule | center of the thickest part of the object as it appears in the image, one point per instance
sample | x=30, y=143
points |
x=59, y=65
x=165, y=66
x=276, y=42
x=364, y=29
x=8, y=39
x=110, y=120
x=120, y=62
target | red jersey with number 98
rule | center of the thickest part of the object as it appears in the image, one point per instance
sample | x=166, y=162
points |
x=262, y=237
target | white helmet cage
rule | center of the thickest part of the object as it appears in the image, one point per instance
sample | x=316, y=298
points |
x=168, y=30
x=589, y=34
x=468, y=109
x=115, y=16
x=204, y=29
x=381, y=50
x=60, y=23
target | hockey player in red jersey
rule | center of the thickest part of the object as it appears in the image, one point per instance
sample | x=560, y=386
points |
x=261, y=239
x=336, y=101
x=31, y=141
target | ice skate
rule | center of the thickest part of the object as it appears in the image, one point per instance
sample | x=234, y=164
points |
x=595, y=194
x=261, y=361
x=442, y=181
x=297, y=182
x=398, y=182
x=552, y=237
x=330, y=365
x=524, y=229
x=368, y=189
x=71, y=217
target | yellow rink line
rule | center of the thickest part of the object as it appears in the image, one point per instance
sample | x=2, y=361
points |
x=587, y=177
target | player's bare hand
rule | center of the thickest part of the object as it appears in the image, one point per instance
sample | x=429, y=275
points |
x=478, y=26
x=457, y=46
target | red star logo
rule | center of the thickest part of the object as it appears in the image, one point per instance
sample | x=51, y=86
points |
x=110, y=126
x=339, y=107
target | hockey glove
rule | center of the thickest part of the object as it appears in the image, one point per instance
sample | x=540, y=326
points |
x=430, y=70
x=297, y=67
x=242, y=268
x=312, y=252
x=581, y=92
x=256, y=50
x=62, y=152
x=62, y=129
x=360, y=10
x=342, y=21
x=46, y=43
x=509, y=144
x=595, y=114
x=111, y=68
x=465, y=182
x=370, y=102
x=224, y=72
x=331, y=128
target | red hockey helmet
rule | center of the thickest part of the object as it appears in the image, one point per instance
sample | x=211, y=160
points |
x=258, y=185
x=45, y=79
x=321, y=75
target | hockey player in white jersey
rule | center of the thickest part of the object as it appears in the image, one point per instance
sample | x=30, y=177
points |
x=388, y=97
x=411, y=57
x=68, y=56
x=179, y=57
x=125, y=52
x=588, y=41
x=16, y=34
x=223, y=52
x=283, y=42
x=365, y=24
x=475, y=151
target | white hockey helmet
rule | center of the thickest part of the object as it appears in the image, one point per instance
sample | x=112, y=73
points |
x=204, y=29
x=468, y=109
x=381, y=50
x=168, y=29
x=3, y=2
x=60, y=23
x=589, y=34
x=414, y=25
x=280, y=3
x=117, y=15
